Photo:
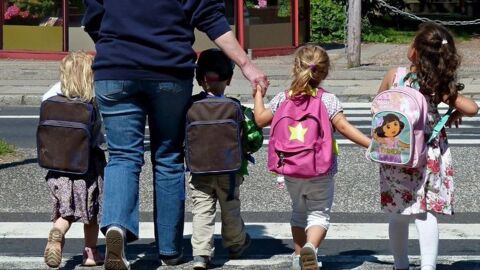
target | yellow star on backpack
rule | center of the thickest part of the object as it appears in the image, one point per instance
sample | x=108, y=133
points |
x=297, y=133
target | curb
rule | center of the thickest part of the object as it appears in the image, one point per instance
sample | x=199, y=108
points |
x=35, y=99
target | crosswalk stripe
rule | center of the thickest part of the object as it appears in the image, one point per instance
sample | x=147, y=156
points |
x=257, y=230
x=32, y=262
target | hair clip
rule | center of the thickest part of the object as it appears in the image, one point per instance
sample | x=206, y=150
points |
x=313, y=67
x=444, y=41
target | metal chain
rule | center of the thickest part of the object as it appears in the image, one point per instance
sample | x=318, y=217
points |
x=423, y=19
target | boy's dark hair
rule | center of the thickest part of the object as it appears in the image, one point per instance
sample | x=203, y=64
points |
x=214, y=60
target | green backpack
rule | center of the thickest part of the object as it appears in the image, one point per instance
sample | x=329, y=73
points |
x=252, y=138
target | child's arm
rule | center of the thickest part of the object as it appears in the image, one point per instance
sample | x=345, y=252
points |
x=465, y=106
x=348, y=131
x=263, y=116
x=387, y=80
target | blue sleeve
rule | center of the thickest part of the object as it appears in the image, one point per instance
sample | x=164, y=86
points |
x=93, y=17
x=207, y=16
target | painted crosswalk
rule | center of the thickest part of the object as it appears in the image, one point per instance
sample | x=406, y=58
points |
x=359, y=115
x=257, y=230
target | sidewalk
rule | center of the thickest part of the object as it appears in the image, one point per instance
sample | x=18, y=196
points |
x=23, y=82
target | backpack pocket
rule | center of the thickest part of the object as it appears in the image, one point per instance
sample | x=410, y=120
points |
x=301, y=161
x=63, y=146
x=392, y=138
x=213, y=146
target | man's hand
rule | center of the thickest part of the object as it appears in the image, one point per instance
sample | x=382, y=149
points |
x=455, y=118
x=256, y=78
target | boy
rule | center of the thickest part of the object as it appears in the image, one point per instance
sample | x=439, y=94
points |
x=214, y=72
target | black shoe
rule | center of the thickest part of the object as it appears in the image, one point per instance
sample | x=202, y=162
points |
x=235, y=252
x=174, y=260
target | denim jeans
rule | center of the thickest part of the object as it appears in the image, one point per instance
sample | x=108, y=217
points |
x=125, y=105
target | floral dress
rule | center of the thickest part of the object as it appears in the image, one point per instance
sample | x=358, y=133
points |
x=429, y=187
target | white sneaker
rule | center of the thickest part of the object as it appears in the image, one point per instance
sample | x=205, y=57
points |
x=115, y=249
x=308, y=257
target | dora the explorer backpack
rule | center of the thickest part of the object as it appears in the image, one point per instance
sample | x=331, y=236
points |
x=64, y=134
x=301, y=138
x=399, y=117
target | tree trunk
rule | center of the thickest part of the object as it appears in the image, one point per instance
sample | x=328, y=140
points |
x=354, y=37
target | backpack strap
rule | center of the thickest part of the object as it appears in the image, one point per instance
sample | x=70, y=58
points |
x=439, y=126
x=231, y=186
x=399, y=79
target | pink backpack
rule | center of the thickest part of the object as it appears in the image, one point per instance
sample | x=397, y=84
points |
x=398, y=125
x=301, y=138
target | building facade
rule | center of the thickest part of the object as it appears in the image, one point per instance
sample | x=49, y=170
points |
x=54, y=26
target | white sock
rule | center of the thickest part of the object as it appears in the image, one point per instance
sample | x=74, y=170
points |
x=427, y=228
x=398, y=233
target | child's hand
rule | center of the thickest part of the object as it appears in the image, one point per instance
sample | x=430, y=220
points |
x=455, y=118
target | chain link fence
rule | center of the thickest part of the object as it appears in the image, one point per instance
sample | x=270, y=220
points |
x=423, y=19
x=409, y=15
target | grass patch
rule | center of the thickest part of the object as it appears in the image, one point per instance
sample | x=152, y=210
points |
x=379, y=34
x=6, y=148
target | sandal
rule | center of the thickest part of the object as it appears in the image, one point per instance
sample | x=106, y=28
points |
x=91, y=257
x=53, y=251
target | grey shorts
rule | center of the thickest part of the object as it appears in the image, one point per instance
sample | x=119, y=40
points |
x=311, y=201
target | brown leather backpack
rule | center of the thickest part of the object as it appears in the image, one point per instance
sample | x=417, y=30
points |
x=65, y=133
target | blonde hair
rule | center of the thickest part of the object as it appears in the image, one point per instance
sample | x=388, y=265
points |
x=76, y=76
x=310, y=68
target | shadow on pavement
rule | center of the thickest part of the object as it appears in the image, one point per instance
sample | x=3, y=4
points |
x=470, y=265
x=18, y=163
x=367, y=256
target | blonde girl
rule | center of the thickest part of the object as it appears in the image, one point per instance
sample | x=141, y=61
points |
x=419, y=194
x=312, y=199
x=76, y=197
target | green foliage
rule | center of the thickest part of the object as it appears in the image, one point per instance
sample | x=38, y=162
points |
x=284, y=8
x=6, y=148
x=328, y=19
x=381, y=34
x=250, y=3
x=36, y=8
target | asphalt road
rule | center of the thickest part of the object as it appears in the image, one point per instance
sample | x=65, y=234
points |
x=25, y=203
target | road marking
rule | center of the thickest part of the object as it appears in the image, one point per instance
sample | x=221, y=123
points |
x=343, y=231
x=19, y=117
x=32, y=262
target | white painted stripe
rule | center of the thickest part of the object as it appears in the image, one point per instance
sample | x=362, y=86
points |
x=22, y=262
x=19, y=116
x=345, y=231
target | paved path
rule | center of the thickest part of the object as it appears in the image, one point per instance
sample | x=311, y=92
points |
x=23, y=82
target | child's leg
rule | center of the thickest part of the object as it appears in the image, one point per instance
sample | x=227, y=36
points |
x=299, y=238
x=56, y=238
x=235, y=237
x=319, y=200
x=428, y=236
x=398, y=234
x=91, y=257
x=90, y=232
x=204, y=203
x=315, y=235
x=298, y=220
x=62, y=224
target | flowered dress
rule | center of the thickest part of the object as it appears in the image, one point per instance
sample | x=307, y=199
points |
x=78, y=197
x=411, y=191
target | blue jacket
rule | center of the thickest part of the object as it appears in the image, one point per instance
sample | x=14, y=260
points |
x=146, y=40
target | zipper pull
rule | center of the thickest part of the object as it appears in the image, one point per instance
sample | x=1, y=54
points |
x=281, y=161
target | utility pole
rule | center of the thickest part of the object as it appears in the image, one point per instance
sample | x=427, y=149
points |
x=354, y=36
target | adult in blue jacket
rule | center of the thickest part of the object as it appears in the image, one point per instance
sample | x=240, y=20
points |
x=144, y=66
